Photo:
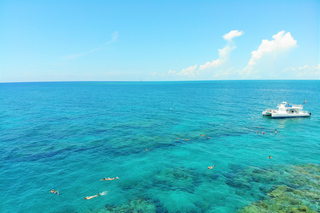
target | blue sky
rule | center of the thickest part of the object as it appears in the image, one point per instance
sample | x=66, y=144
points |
x=158, y=40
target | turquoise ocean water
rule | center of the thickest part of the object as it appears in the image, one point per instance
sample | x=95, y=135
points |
x=69, y=135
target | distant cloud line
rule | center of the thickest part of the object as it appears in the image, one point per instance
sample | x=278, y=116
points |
x=281, y=41
x=305, y=71
x=224, y=54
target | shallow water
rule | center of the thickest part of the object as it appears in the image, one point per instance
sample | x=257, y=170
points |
x=67, y=136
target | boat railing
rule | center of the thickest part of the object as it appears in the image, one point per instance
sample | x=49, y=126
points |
x=296, y=105
x=271, y=110
x=290, y=106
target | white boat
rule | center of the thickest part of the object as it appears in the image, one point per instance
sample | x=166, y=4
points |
x=286, y=110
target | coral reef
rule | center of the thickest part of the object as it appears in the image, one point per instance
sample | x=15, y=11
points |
x=138, y=205
x=297, y=189
x=293, y=188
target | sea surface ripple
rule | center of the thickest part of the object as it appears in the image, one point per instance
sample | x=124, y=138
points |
x=68, y=135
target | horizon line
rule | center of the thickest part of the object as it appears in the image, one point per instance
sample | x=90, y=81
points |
x=5, y=82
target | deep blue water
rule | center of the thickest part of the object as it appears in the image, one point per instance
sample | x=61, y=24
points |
x=69, y=135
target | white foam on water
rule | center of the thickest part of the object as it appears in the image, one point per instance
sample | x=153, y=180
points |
x=103, y=193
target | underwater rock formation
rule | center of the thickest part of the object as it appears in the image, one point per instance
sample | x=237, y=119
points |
x=292, y=188
x=297, y=189
x=138, y=205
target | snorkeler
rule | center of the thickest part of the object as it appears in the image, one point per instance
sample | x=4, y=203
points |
x=109, y=178
x=270, y=157
x=210, y=167
x=263, y=133
x=202, y=135
x=90, y=197
x=276, y=131
x=208, y=138
x=54, y=192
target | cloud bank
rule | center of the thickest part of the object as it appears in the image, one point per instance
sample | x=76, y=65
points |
x=265, y=62
x=224, y=54
x=304, y=72
x=282, y=41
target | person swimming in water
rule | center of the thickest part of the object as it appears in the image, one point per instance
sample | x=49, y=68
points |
x=90, y=197
x=276, y=131
x=109, y=178
x=270, y=157
x=54, y=192
x=210, y=167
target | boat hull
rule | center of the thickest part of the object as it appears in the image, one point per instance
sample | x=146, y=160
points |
x=268, y=112
x=277, y=115
x=265, y=113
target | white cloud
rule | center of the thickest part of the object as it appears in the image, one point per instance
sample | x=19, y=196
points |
x=304, y=72
x=190, y=71
x=224, y=54
x=282, y=41
x=214, y=63
x=172, y=72
x=227, y=72
x=304, y=67
x=233, y=33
